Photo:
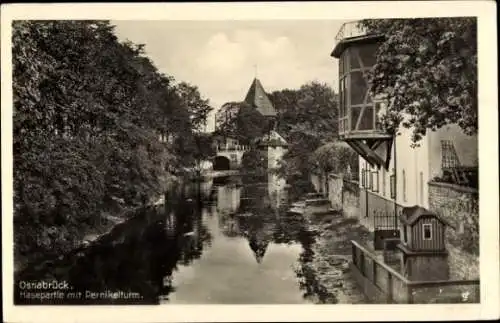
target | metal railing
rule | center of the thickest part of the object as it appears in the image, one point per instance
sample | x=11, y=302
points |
x=350, y=29
x=232, y=148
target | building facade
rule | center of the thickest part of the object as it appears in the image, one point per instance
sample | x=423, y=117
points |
x=393, y=174
x=405, y=182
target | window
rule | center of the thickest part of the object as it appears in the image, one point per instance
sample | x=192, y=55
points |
x=393, y=186
x=369, y=183
x=427, y=231
x=375, y=181
x=363, y=178
x=384, y=190
x=404, y=185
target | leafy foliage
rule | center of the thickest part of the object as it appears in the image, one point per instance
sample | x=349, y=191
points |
x=307, y=118
x=198, y=107
x=246, y=125
x=254, y=162
x=334, y=157
x=88, y=110
x=427, y=70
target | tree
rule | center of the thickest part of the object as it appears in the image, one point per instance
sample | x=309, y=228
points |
x=427, y=70
x=88, y=110
x=334, y=157
x=198, y=148
x=311, y=110
x=191, y=99
x=246, y=123
x=307, y=118
x=254, y=162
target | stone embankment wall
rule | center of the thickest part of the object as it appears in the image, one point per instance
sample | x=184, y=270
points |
x=459, y=206
x=343, y=194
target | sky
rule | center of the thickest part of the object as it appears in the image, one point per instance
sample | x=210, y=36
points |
x=223, y=57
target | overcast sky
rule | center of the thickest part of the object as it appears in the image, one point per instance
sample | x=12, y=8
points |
x=220, y=56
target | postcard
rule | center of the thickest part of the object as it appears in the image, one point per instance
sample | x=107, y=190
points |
x=249, y=161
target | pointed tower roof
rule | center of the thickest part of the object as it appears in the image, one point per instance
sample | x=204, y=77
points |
x=258, y=98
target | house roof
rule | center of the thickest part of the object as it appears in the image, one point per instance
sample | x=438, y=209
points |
x=411, y=214
x=257, y=97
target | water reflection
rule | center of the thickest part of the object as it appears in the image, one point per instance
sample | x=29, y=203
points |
x=224, y=241
x=254, y=252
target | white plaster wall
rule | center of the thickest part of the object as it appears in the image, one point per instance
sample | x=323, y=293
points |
x=413, y=161
x=425, y=159
x=274, y=155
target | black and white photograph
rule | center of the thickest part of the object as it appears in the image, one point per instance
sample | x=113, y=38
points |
x=320, y=161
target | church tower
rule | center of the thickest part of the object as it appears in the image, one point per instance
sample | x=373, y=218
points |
x=257, y=98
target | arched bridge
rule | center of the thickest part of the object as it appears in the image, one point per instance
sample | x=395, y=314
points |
x=229, y=157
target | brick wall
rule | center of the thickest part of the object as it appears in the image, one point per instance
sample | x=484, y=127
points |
x=458, y=205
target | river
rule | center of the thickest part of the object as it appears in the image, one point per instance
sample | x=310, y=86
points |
x=250, y=257
x=224, y=241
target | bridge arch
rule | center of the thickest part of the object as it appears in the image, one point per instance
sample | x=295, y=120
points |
x=222, y=163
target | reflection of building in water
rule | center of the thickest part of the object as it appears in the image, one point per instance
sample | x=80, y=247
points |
x=276, y=147
x=277, y=190
x=229, y=225
x=228, y=199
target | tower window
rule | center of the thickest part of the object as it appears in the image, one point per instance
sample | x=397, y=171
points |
x=427, y=231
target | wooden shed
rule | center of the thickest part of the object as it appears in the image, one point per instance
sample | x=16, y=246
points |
x=423, y=250
x=422, y=230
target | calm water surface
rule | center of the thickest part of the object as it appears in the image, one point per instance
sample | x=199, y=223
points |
x=247, y=260
x=223, y=241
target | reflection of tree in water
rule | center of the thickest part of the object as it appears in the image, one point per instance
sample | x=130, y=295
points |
x=306, y=273
x=266, y=223
x=263, y=222
x=192, y=235
x=138, y=256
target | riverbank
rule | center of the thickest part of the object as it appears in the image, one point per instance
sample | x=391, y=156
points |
x=331, y=253
x=85, y=235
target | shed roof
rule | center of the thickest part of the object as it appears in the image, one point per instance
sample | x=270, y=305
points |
x=411, y=214
x=257, y=97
